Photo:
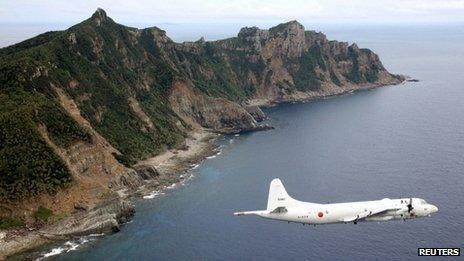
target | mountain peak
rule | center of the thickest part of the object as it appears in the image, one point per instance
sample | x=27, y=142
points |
x=293, y=25
x=99, y=13
x=99, y=16
x=293, y=22
x=248, y=31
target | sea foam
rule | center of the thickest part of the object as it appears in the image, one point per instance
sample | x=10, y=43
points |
x=69, y=246
x=153, y=194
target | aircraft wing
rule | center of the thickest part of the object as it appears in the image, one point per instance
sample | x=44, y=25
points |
x=368, y=213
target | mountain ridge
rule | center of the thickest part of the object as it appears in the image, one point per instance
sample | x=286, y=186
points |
x=96, y=98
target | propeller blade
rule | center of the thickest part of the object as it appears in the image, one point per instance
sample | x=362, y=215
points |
x=410, y=207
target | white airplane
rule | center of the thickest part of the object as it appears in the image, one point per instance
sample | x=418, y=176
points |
x=281, y=206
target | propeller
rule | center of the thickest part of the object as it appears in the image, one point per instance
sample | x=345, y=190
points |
x=410, y=207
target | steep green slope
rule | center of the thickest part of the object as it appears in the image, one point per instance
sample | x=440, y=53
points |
x=28, y=166
x=121, y=80
x=27, y=73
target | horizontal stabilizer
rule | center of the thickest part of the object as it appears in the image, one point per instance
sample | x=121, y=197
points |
x=256, y=212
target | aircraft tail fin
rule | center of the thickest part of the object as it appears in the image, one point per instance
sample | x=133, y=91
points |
x=278, y=197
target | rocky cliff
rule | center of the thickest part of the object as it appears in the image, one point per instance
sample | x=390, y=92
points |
x=79, y=107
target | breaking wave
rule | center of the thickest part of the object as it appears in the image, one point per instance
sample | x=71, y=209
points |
x=69, y=246
x=153, y=194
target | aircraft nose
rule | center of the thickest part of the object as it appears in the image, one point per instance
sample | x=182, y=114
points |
x=434, y=209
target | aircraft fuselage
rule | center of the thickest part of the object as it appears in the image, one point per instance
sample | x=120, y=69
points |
x=282, y=207
x=311, y=213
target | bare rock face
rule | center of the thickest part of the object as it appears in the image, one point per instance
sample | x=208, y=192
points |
x=256, y=112
x=284, y=40
x=288, y=40
x=217, y=114
x=136, y=92
x=128, y=180
x=254, y=37
x=146, y=172
x=105, y=218
x=79, y=206
x=292, y=60
x=100, y=16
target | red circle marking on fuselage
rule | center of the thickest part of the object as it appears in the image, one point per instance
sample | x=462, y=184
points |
x=320, y=214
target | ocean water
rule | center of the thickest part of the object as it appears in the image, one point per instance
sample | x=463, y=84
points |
x=398, y=141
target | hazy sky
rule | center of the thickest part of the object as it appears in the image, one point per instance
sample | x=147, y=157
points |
x=172, y=11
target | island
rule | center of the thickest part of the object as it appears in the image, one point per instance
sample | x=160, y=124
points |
x=100, y=112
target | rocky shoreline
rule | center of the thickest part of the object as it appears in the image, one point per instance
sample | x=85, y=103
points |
x=98, y=133
x=328, y=92
x=105, y=218
x=109, y=215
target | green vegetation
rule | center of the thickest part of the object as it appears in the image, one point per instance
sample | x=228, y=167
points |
x=110, y=83
x=226, y=73
x=305, y=77
x=28, y=166
x=8, y=223
x=371, y=72
x=355, y=74
x=334, y=78
x=102, y=65
x=43, y=214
